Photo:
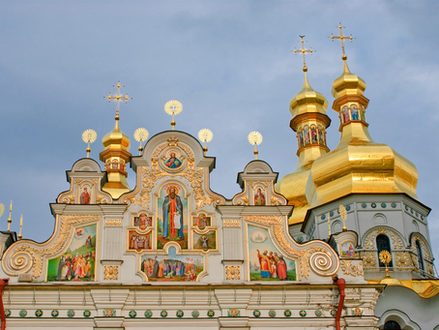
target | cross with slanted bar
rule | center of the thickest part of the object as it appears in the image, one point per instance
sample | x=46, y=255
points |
x=342, y=38
x=303, y=51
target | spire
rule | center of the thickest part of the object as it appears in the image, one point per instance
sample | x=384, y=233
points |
x=10, y=217
x=116, y=150
x=309, y=121
x=349, y=101
x=308, y=109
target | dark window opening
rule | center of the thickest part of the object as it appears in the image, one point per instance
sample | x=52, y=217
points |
x=420, y=256
x=392, y=325
x=383, y=243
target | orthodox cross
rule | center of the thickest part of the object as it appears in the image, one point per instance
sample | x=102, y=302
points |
x=342, y=38
x=303, y=51
x=118, y=98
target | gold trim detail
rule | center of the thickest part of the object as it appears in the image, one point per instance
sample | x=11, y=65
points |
x=369, y=242
x=349, y=269
x=24, y=255
x=111, y=272
x=315, y=255
x=232, y=223
x=233, y=273
x=197, y=177
x=113, y=223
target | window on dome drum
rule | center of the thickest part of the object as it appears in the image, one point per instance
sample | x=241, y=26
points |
x=392, y=325
x=420, y=256
x=383, y=243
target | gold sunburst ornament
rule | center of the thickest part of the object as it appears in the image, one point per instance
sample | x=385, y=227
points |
x=141, y=135
x=255, y=139
x=344, y=215
x=2, y=209
x=89, y=136
x=205, y=135
x=385, y=258
x=173, y=108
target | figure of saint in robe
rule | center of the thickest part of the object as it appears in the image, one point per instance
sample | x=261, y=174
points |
x=85, y=197
x=172, y=210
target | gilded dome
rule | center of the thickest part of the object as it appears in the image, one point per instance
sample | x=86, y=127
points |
x=116, y=156
x=309, y=121
x=358, y=164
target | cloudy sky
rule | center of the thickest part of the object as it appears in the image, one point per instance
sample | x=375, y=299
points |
x=229, y=63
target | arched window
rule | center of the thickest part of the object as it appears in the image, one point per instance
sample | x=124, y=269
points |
x=420, y=256
x=392, y=325
x=383, y=243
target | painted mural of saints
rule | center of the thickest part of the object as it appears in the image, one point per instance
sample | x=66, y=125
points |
x=173, y=161
x=84, y=198
x=172, y=211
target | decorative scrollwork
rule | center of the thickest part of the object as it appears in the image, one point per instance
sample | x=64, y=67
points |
x=319, y=255
x=321, y=263
x=24, y=255
x=21, y=261
x=349, y=269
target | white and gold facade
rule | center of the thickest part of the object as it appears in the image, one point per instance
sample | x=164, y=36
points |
x=170, y=253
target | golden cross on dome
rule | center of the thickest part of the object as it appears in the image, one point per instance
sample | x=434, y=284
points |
x=118, y=98
x=303, y=51
x=342, y=38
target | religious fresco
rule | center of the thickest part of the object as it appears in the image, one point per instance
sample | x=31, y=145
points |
x=312, y=135
x=143, y=221
x=347, y=250
x=172, y=267
x=85, y=195
x=172, y=160
x=138, y=241
x=266, y=262
x=205, y=241
x=172, y=216
x=259, y=196
x=78, y=262
x=201, y=221
x=353, y=112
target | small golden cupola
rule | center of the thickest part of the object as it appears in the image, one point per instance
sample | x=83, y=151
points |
x=357, y=164
x=309, y=121
x=116, y=153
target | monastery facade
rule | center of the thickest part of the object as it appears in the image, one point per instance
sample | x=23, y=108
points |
x=170, y=253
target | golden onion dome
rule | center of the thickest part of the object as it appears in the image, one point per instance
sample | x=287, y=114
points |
x=308, y=109
x=358, y=164
x=347, y=84
x=116, y=156
x=307, y=100
x=116, y=139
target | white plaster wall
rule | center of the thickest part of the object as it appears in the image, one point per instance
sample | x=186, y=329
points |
x=424, y=312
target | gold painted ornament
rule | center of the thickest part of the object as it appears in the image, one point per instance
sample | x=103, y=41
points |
x=172, y=108
x=141, y=135
x=385, y=258
x=89, y=136
x=205, y=135
x=343, y=214
x=255, y=139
